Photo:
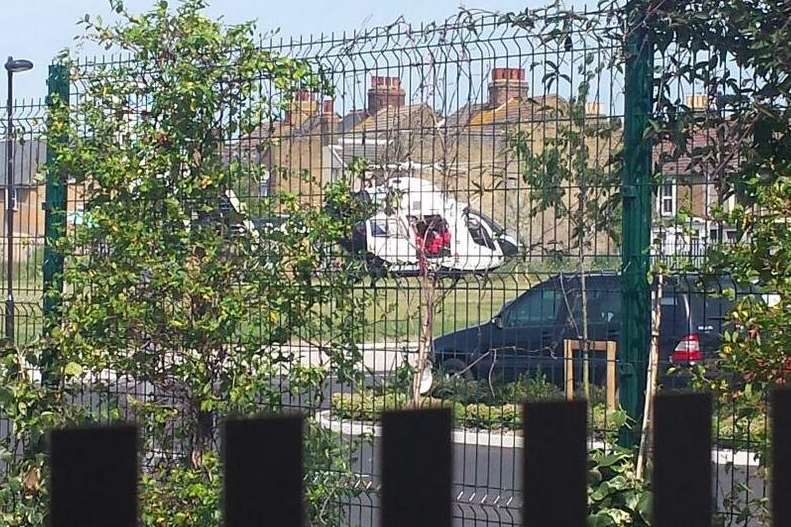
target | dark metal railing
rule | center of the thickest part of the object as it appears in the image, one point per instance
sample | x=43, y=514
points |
x=94, y=470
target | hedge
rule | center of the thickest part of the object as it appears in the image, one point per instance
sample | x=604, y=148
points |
x=368, y=406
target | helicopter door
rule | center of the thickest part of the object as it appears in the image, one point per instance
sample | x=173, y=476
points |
x=432, y=235
x=389, y=240
x=484, y=250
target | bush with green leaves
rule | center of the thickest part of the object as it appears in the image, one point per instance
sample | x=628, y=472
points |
x=165, y=286
x=368, y=405
x=745, y=79
x=737, y=59
x=616, y=497
x=531, y=387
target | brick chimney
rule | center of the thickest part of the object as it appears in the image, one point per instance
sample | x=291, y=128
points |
x=385, y=91
x=593, y=108
x=328, y=107
x=302, y=106
x=328, y=122
x=506, y=84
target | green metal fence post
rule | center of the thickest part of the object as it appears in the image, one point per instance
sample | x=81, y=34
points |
x=54, y=207
x=636, y=193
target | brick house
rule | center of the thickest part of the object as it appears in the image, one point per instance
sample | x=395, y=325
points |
x=29, y=196
x=465, y=152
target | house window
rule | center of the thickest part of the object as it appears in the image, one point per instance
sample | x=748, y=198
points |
x=729, y=235
x=666, y=200
x=18, y=195
x=264, y=184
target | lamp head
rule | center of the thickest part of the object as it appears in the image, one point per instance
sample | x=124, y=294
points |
x=13, y=65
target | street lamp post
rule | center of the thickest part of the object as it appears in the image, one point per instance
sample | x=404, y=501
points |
x=11, y=66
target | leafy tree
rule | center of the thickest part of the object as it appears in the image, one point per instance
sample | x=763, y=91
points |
x=738, y=60
x=571, y=175
x=168, y=284
x=750, y=160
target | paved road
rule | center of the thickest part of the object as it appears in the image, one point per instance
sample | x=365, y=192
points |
x=484, y=482
x=487, y=478
x=378, y=358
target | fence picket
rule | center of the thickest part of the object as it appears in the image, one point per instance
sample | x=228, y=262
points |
x=94, y=470
x=555, y=463
x=682, y=460
x=416, y=468
x=264, y=472
x=781, y=457
x=94, y=477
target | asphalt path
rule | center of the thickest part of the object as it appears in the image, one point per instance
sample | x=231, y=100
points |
x=486, y=483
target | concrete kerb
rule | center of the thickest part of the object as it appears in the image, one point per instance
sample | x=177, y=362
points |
x=500, y=439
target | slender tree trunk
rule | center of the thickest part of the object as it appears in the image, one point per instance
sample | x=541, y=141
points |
x=585, y=342
x=203, y=436
x=652, y=374
x=582, y=239
x=427, y=290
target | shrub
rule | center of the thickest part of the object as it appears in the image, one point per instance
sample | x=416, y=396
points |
x=530, y=387
x=368, y=406
x=616, y=498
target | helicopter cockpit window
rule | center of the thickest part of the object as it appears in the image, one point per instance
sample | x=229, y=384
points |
x=480, y=234
x=382, y=228
x=379, y=228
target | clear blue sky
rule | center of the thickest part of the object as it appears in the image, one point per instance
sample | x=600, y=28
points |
x=38, y=29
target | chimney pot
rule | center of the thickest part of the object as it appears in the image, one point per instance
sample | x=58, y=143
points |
x=385, y=91
x=506, y=84
x=302, y=106
x=593, y=108
x=698, y=102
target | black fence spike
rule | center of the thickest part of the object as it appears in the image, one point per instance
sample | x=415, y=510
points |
x=416, y=468
x=682, y=460
x=264, y=472
x=781, y=457
x=555, y=464
x=94, y=477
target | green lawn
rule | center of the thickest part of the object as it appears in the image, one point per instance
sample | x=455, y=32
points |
x=394, y=312
x=28, y=286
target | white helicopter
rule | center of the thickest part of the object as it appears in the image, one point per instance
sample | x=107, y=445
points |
x=415, y=219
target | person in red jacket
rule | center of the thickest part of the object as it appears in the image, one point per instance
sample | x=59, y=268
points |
x=438, y=241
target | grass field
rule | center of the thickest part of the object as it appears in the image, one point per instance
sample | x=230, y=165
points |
x=395, y=310
x=27, y=281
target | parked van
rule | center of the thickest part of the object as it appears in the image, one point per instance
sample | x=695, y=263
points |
x=527, y=335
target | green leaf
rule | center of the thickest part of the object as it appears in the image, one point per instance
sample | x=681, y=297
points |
x=72, y=369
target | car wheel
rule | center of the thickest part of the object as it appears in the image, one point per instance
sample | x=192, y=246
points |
x=455, y=368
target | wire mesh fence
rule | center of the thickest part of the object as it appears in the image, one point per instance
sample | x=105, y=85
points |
x=492, y=148
x=22, y=250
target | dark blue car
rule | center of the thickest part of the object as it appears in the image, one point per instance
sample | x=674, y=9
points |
x=527, y=335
